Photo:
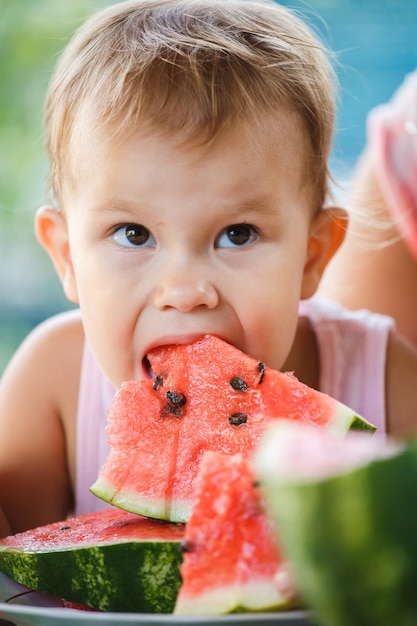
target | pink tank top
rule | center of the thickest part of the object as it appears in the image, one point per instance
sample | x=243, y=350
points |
x=352, y=347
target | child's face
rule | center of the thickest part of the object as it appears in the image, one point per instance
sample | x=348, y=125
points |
x=169, y=241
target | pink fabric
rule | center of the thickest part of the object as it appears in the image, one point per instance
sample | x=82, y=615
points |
x=392, y=132
x=352, y=347
x=96, y=396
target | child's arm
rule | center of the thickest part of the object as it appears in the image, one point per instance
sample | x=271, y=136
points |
x=38, y=404
x=401, y=387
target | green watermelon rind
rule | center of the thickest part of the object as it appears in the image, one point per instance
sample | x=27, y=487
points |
x=148, y=507
x=141, y=576
x=251, y=597
x=351, y=539
x=345, y=419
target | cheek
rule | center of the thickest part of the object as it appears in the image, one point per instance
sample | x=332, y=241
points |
x=104, y=320
x=270, y=333
x=110, y=342
x=268, y=312
x=273, y=282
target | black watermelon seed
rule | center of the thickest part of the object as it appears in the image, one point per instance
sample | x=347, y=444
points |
x=261, y=368
x=65, y=528
x=169, y=409
x=238, y=384
x=186, y=546
x=236, y=419
x=158, y=382
x=176, y=398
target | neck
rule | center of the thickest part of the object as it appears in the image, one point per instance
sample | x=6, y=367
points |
x=304, y=359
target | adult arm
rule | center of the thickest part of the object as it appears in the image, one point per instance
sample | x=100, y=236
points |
x=374, y=268
x=401, y=383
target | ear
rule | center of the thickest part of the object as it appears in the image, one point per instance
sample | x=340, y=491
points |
x=52, y=233
x=327, y=233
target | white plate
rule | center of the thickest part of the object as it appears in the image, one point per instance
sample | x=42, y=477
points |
x=28, y=608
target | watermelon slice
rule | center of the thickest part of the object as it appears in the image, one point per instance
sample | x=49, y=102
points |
x=232, y=560
x=110, y=560
x=207, y=395
x=346, y=513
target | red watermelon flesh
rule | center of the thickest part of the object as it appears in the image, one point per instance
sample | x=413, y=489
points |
x=207, y=395
x=92, y=529
x=232, y=561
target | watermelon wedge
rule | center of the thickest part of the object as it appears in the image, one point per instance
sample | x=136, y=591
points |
x=110, y=560
x=232, y=560
x=207, y=395
x=346, y=513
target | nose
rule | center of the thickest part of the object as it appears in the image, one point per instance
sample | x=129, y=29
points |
x=184, y=285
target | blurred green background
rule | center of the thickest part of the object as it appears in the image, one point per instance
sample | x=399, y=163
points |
x=32, y=34
x=375, y=42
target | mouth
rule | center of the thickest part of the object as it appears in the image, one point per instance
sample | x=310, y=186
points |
x=147, y=368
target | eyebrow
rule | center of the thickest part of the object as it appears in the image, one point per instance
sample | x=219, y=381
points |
x=115, y=205
x=254, y=205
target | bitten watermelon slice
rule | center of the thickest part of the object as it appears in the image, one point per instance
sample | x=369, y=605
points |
x=346, y=513
x=232, y=560
x=207, y=395
x=110, y=560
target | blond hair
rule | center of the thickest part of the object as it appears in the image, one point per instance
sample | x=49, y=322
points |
x=194, y=65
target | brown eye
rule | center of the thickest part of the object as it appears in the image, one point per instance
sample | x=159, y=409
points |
x=137, y=235
x=133, y=236
x=237, y=235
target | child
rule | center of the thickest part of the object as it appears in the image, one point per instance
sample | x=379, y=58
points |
x=377, y=267
x=188, y=142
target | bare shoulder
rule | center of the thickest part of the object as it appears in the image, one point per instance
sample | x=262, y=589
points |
x=401, y=386
x=52, y=350
x=47, y=367
x=55, y=330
